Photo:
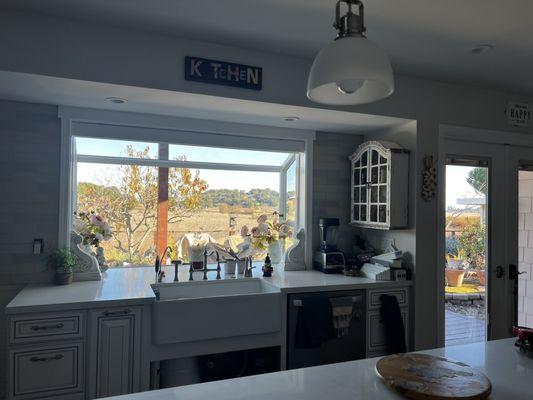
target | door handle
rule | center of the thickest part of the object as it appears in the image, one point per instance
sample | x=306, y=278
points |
x=514, y=273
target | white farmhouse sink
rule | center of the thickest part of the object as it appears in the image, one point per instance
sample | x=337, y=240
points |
x=201, y=310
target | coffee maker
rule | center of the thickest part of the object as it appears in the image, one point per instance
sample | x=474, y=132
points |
x=328, y=258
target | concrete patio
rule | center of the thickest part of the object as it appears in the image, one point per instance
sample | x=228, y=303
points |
x=462, y=329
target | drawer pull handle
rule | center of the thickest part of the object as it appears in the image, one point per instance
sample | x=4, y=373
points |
x=45, y=327
x=122, y=312
x=44, y=359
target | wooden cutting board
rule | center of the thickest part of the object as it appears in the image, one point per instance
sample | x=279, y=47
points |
x=424, y=377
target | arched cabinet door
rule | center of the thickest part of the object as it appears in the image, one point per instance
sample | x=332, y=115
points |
x=379, y=187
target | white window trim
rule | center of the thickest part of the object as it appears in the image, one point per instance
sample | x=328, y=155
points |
x=173, y=125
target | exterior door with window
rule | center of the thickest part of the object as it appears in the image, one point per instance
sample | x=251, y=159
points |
x=491, y=159
x=520, y=232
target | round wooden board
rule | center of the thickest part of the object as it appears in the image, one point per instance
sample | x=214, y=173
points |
x=424, y=377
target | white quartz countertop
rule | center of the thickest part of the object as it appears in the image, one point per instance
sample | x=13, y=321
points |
x=129, y=286
x=510, y=372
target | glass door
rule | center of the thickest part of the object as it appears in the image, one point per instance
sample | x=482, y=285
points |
x=475, y=290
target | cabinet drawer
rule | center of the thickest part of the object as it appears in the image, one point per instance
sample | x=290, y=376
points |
x=374, y=297
x=45, y=327
x=376, y=339
x=46, y=371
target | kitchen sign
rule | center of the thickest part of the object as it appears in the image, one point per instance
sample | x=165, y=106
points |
x=519, y=114
x=223, y=73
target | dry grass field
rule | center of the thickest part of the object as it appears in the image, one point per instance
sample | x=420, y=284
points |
x=210, y=220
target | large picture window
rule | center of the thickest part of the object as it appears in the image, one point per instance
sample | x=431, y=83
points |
x=157, y=194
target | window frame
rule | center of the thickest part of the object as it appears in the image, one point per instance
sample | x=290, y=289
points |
x=204, y=131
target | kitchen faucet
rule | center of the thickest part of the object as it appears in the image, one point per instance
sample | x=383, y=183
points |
x=205, y=270
x=159, y=274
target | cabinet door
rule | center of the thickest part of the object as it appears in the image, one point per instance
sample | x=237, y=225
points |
x=114, y=352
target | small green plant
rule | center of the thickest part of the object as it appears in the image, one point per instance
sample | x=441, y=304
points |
x=62, y=260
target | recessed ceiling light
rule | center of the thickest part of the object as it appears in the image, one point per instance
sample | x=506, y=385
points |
x=482, y=48
x=116, y=100
x=291, y=119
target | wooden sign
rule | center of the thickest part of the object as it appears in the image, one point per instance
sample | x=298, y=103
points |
x=422, y=376
x=223, y=73
x=519, y=114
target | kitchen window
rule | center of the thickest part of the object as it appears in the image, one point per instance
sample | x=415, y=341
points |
x=153, y=194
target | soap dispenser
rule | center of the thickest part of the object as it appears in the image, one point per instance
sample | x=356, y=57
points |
x=267, y=267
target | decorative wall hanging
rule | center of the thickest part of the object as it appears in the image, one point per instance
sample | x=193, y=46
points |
x=429, y=179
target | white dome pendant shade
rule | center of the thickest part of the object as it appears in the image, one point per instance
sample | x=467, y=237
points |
x=351, y=70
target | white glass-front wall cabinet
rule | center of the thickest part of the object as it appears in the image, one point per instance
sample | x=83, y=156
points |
x=380, y=186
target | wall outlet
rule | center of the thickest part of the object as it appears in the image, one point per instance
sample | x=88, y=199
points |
x=38, y=246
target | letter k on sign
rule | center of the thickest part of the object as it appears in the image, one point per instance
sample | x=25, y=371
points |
x=195, y=65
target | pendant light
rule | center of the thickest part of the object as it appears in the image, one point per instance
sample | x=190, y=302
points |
x=352, y=69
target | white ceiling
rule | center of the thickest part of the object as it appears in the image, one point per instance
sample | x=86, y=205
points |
x=426, y=38
x=61, y=91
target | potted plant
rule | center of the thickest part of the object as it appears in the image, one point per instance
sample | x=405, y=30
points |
x=63, y=261
x=454, y=270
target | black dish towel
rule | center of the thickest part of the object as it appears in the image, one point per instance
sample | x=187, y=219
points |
x=315, y=323
x=393, y=321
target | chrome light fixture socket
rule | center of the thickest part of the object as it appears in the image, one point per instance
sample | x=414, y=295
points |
x=352, y=69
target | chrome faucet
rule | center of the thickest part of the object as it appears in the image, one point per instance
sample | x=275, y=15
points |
x=159, y=274
x=248, y=267
x=205, y=270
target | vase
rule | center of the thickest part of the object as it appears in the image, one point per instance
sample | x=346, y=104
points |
x=274, y=252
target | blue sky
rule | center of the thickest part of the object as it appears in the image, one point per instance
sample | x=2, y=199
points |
x=216, y=179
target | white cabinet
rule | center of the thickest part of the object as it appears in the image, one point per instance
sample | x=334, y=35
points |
x=114, y=352
x=70, y=355
x=379, y=187
x=376, y=344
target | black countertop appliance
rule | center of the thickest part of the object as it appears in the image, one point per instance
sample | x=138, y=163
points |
x=328, y=258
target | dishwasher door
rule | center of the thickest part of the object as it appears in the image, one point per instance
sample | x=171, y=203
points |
x=349, y=347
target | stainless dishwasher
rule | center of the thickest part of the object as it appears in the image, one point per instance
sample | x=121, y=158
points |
x=344, y=345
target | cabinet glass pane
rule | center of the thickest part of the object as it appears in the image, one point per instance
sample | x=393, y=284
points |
x=363, y=194
x=383, y=174
x=356, y=212
x=375, y=157
x=383, y=193
x=356, y=194
x=373, y=213
x=357, y=162
x=382, y=213
x=374, y=175
x=374, y=194
x=363, y=176
x=363, y=213
x=364, y=159
x=356, y=176
x=382, y=160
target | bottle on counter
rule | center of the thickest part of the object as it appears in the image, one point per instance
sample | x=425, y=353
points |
x=267, y=267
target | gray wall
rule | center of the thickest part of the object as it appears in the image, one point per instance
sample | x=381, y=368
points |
x=331, y=183
x=29, y=178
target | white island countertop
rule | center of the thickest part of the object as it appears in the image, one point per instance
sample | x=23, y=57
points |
x=130, y=286
x=510, y=372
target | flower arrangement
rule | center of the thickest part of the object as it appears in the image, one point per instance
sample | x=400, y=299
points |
x=267, y=231
x=92, y=228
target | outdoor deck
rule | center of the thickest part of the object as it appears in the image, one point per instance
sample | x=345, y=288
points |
x=461, y=329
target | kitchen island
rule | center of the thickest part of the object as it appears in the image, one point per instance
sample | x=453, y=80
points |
x=510, y=372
